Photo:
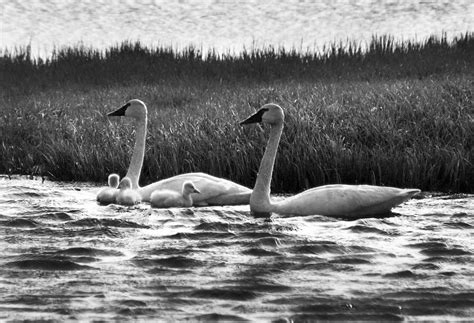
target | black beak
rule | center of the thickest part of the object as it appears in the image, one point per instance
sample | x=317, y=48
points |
x=119, y=112
x=255, y=118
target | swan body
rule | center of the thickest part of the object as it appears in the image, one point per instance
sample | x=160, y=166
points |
x=351, y=201
x=108, y=195
x=127, y=195
x=214, y=190
x=169, y=198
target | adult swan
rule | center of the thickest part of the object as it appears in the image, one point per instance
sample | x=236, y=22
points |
x=350, y=201
x=214, y=190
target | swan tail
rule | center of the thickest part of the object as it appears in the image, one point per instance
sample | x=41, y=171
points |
x=409, y=192
x=385, y=206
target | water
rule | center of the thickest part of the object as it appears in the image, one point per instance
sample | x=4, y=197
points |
x=65, y=257
x=225, y=25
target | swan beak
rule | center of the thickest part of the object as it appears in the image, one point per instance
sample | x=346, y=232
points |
x=197, y=191
x=255, y=118
x=119, y=112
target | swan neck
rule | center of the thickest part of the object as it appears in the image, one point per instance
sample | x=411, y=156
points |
x=136, y=162
x=260, y=198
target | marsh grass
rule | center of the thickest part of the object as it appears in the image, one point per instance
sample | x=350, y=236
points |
x=398, y=114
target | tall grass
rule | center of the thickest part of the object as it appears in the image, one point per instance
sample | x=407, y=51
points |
x=398, y=114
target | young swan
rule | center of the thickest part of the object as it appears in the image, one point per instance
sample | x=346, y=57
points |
x=108, y=195
x=168, y=198
x=127, y=195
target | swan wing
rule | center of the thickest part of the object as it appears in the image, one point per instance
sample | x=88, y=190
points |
x=345, y=200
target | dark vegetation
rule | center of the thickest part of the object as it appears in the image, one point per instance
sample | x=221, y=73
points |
x=398, y=114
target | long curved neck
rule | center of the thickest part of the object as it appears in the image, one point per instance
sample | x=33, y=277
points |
x=136, y=162
x=260, y=198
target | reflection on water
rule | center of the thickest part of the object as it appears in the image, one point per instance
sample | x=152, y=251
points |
x=226, y=25
x=65, y=257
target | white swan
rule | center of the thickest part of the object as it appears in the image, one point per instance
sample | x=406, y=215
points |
x=127, y=195
x=107, y=195
x=214, y=190
x=330, y=200
x=169, y=198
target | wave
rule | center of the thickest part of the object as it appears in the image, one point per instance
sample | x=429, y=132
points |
x=444, y=251
x=431, y=301
x=20, y=223
x=215, y=317
x=132, y=303
x=172, y=262
x=260, y=252
x=86, y=251
x=202, y=235
x=404, y=274
x=318, y=248
x=256, y=284
x=453, y=260
x=134, y=312
x=118, y=223
x=57, y=216
x=427, y=244
x=426, y=266
x=360, y=228
x=458, y=225
x=219, y=226
x=350, y=261
x=340, y=309
x=171, y=251
x=58, y=233
x=47, y=264
x=229, y=293
x=269, y=241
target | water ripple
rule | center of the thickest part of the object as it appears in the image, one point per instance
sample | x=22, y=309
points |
x=173, y=262
x=67, y=258
x=91, y=222
x=229, y=293
x=19, y=222
x=46, y=264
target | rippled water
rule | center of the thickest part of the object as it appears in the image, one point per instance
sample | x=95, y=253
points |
x=65, y=257
x=226, y=25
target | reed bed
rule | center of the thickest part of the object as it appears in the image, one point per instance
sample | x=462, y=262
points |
x=396, y=113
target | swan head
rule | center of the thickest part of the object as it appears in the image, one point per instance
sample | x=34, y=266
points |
x=125, y=183
x=270, y=113
x=188, y=188
x=135, y=109
x=113, y=180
